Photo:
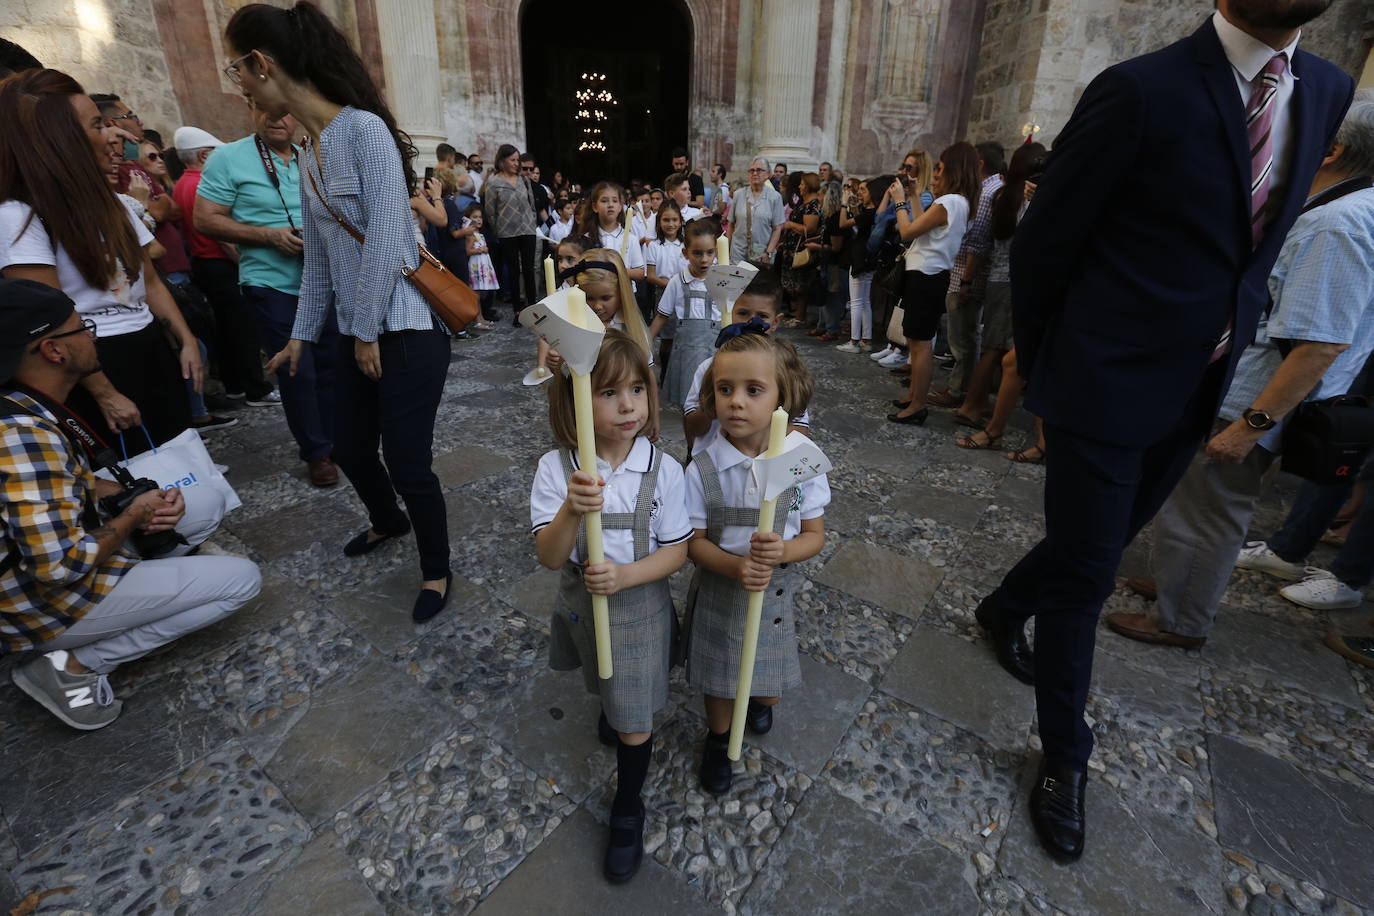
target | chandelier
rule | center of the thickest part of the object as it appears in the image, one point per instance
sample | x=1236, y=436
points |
x=592, y=104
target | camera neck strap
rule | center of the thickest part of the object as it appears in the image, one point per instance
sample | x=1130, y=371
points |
x=86, y=440
x=265, y=154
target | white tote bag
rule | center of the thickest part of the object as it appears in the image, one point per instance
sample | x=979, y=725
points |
x=181, y=462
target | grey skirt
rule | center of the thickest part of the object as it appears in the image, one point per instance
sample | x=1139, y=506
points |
x=714, y=627
x=643, y=631
x=695, y=341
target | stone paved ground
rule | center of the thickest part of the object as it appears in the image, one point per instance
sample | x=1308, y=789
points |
x=317, y=753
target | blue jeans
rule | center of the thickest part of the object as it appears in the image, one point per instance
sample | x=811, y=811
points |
x=308, y=396
x=197, y=401
x=1313, y=509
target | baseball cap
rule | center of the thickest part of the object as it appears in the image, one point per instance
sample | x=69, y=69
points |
x=28, y=310
x=188, y=138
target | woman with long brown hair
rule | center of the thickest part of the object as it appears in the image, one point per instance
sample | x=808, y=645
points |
x=62, y=224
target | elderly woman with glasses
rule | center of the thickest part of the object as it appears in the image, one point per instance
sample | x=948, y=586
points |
x=755, y=217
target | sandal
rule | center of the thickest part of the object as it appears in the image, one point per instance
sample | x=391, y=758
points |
x=970, y=422
x=971, y=442
x=814, y=332
x=1025, y=456
x=944, y=399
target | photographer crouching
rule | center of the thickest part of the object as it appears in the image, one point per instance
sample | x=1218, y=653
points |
x=92, y=573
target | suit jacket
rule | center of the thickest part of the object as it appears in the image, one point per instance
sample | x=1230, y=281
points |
x=1136, y=250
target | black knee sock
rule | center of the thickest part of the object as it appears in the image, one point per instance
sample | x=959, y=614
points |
x=632, y=763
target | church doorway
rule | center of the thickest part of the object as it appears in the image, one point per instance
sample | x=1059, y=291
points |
x=606, y=91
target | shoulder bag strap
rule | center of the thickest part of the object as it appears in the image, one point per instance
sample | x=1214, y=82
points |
x=348, y=227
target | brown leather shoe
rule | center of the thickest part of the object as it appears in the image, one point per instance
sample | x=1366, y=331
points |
x=1140, y=628
x=1143, y=587
x=323, y=472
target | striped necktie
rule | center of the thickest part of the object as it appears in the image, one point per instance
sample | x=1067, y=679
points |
x=1259, y=128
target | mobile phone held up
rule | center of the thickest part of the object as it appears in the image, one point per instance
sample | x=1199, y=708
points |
x=429, y=172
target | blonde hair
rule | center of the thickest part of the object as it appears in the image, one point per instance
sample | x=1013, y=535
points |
x=925, y=170
x=629, y=309
x=448, y=181
x=795, y=385
x=619, y=358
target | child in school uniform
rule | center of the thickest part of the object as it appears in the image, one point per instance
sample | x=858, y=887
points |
x=644, y=521
x=664, y=259
x=679, y=190
x=602, y=277
x=687, y=305
x=565, y=256
x=603, y=225
x=480, y=269
x=751, y=376
x=563, y=221
x=760, y=303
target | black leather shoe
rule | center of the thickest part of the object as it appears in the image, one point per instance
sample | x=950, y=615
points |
x=716, y=773
x=361, y=545
x=759, y=718
x=1009, y=642
x=429, y=603
x=609, y=736
x=625, y=850
x=1056, y=805
x=918, y=418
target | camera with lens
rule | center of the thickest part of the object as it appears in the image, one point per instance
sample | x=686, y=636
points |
x=149, y=546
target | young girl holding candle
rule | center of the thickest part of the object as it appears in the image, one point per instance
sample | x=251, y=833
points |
x=688, y=306
x=480, y=269
x=644, y=520
x=664, y=260
x=751, y=376
x=568, y=252
x=603, y=227
x=601, y=276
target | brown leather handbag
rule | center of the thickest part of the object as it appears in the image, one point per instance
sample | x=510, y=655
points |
x=453, y=301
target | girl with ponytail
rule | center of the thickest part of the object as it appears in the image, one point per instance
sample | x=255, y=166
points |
x=359, y=237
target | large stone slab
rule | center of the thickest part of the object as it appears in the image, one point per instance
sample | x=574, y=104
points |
x=1148, y=696
x=897, y=582
x=962, y=683
x=380, y=611
x=322, y=881
x=1135, y=860
x=1261, y=648
x=277, y=601
x=534, y=595
x=164, y=727
x=354, y=733
x=810, y=721
x=467, y=463
x=563, y=875
x=901, y=462
x=1301, y=823
x=836, y=858
x=944, y=506
x=283, y=531
x=1020, y=494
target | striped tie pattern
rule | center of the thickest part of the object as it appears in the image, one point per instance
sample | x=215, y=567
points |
x=1259, y=127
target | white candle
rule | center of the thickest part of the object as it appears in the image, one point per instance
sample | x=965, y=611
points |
x=777, y=433
x=549, y=278
x=722, y=250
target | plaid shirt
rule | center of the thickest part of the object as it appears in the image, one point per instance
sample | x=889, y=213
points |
x=45, y=487
x=977, y=240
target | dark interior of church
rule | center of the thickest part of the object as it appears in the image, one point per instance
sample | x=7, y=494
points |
x=630, y=61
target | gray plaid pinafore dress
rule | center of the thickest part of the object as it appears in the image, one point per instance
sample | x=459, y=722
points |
x=643, y=623
x=694, y=341
x=716, y=605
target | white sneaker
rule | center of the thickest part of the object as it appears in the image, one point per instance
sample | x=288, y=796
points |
x=896, y=359
x=884, y=353
x=1322, y=591
x=270, y=399
x=1256, y=555
x=850, y=347
x=865, y=346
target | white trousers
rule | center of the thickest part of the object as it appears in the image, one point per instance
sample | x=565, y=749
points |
x=860, y=307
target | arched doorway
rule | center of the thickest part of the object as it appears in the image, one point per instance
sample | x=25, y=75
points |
x=643, y=53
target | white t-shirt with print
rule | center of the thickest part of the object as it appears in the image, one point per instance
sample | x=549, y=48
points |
x=934, y=252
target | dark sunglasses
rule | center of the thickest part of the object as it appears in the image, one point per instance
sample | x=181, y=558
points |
x=527, y=168
x=87, y=327
x=153, y=157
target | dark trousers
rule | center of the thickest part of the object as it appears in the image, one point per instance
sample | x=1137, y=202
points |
x=1097, y=497
x=517, y=253
x=235, y=346
x=396, y=412
x=143, y=367
x=307, y=398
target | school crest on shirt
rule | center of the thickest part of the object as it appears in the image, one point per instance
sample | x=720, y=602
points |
x=655, y=505
x=794, y=500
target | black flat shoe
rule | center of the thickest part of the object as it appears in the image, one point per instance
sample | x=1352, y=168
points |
x=605, y=733
x=912, y=419
x=716, y=773
x=1056, y=805
x=901, y=405
x=758, y=718
x=1008, y=641
x=429, y=603
x=625, y=850
x=361, y=545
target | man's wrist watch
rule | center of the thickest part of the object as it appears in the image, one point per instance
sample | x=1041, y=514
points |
x=1258, y=419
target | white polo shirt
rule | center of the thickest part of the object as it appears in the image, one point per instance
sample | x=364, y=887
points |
x=629, y=249
x=668, y=258
x=737, y=485
x=693, y=401
x=668, y=517
x=675, y=305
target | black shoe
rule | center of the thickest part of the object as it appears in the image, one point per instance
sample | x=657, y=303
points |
x=220, y=402
x=759, y=718
x=608, y=735
x=467, y=335
x=716, y=773
x=207, y=423
x=1056, y=805
x=625, y=850
x=918, y=418
x=429, y=603
x=901, y=405
x=361, y=545
x=1008, y=641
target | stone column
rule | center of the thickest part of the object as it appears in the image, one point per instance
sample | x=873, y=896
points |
x=789, y=80
x=410, y=56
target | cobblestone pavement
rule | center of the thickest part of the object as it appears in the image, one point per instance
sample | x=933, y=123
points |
x=317, y=753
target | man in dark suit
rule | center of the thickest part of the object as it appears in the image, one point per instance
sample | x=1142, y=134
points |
x=1138, y=276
